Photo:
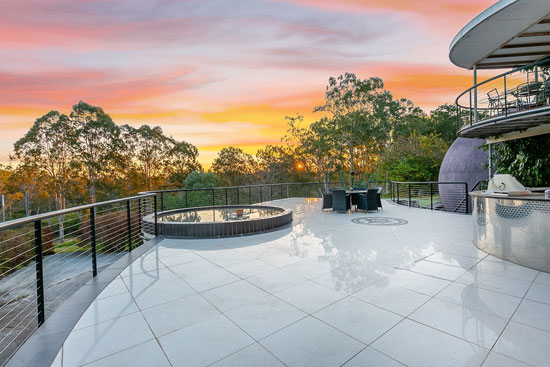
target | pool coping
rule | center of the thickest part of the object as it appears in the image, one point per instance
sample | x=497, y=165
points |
x=42, y=347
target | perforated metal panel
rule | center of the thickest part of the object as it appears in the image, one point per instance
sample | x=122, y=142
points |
x=514, y=230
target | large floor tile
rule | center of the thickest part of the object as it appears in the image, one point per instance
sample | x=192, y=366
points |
x=350, y=281
x=525, y=343
x=98, y=341
x=275, y=280
x=497, y=283
x=418, y=282
x=179, y=259
x=499, y=360
x=204, y=343
x=371, y=357
x=143, y=265
x=233, y=295
x=535, y=314
x=309, y=296
x=417, y=345
x=543, y=278
x=539, y=292
x=465, y=250
x=161, y=292
x=105, y=309
x=254, y=355
x=143, y=355
x=174, y=315
x=498, y=304
x=399, y=300
x=437, y=270
x=309, y=269
x=472, y=325
x=249, y=268
x=464, y=262
x=141, y=281
x=264, y=316
x=210, y=279
x=117, y=286
x=506, y=269
x=358, y=319
x=192, y=268
x=281, y=260
x=311, y=342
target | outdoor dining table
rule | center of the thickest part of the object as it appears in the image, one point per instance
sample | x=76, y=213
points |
x=529, y=92
x=354, y=192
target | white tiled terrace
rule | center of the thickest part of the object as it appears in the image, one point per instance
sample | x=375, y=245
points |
x=326, y=292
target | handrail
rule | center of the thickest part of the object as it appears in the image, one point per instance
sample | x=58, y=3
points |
x=476, y=86
x=237, y=187
x=57, y=213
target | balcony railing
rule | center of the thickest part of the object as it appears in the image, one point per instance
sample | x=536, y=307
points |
x=522, y=91
x=42, y=263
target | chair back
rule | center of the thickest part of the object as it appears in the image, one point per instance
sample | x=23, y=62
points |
x=493, y=95
x=340, y=202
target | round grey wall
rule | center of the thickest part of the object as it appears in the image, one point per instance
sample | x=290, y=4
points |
x=464, y=162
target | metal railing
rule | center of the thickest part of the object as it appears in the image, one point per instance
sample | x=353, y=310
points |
x=446, y=196
x=520, y=91
x=249, y=194
x=45, y=258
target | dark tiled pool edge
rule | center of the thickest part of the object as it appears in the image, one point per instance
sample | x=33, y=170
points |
x=194, y=230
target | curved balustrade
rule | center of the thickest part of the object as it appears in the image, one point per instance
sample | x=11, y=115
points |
x=516, y=100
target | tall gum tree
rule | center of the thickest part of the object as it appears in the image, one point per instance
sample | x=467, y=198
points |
x=360, y=110
x=50, y=145
x=98, y=140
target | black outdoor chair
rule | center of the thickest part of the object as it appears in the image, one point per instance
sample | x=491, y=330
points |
x=379, y=197
x=367, y=201
x=327, y=199
x=340, y=201
x=354, y=197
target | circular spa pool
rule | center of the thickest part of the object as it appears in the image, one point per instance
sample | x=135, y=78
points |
x=219, y=221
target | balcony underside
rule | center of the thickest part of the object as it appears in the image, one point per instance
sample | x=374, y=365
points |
x=503, y=124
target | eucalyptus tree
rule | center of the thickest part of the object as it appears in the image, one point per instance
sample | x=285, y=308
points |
x=151, y=154
x=182, y=160
x=234, y=167
x=50, y=144
x=276, y=163
x=98, y=141
x=359, y=110
x=317, y=144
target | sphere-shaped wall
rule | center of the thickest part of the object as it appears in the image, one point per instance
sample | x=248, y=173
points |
x=464, y=162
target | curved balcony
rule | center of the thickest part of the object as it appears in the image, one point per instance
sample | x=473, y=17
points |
x=517, y=100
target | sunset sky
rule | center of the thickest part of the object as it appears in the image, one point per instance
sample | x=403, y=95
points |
x=218, y=73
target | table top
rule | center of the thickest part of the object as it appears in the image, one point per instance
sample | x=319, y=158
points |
x=356, y=191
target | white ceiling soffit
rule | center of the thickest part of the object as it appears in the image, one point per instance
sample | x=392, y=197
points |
x=509, y=34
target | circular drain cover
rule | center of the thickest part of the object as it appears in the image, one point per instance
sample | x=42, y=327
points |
x=380, y=221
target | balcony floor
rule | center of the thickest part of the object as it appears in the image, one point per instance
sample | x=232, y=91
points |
x=326, y=292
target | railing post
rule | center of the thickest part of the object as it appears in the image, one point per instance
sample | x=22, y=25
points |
x=281, y=191
x=213, y=201
x=505, y=99
x=249, y=195
x=129, y=219
x=431, y=196
x=409, y=187
x=261, y=194
x=161, y=201
x=40, y=299
x=226, y=196
x=271, y=194
x=470, y=111
x=475, y=93
x=156, y=217
x=397, y=183
x=238, y=197
x=287, y=195
x=186, y=194
x=140, y=225
x=94, y=242
x=466, y=197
